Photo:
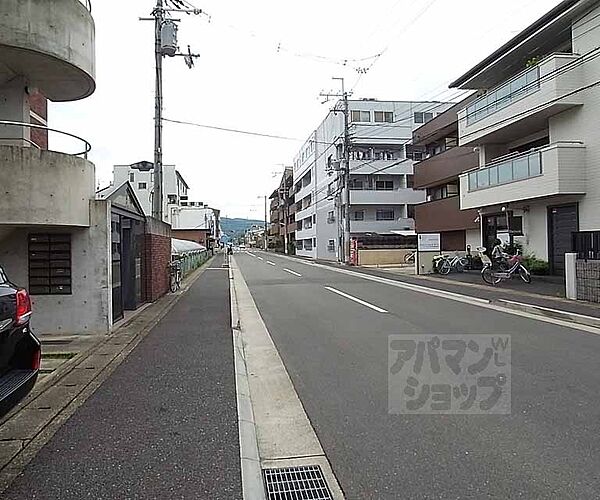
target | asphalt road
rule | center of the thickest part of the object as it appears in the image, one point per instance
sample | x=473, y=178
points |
x=163, y=425
x=336, y=352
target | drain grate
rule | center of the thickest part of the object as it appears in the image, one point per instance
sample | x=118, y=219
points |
x=296, y=483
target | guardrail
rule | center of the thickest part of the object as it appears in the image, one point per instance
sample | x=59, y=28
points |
x=7, y=123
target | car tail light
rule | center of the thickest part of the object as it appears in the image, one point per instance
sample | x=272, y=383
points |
x=37, y=360
x=23, y=307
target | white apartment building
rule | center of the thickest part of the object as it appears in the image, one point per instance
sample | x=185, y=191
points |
x=381, y=174
x=535, y=127
x=141, y=177
x=177, y=210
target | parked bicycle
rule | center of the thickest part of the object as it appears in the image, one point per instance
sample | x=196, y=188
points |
x=175, y=276
x=511, y=266
x=446, y=264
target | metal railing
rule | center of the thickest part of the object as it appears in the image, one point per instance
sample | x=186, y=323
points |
x=9, y=123
x=510, y=169
x=87, y=4
x=586, y=244
x=525, y=83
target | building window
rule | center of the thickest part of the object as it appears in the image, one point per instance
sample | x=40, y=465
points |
x=308, y=244
x=410, y=180
x=330, y=217
x=384, y=117
x=361, y=116
x=421, y=117
x=331, y=246
x=299, y=244
x=172, y=199
x=358, y=215
x=410, y=211
x=50, y=264
x=384, y=185
x=356, y=184
x=131, y=176
x=141, y=185
x=384, y=215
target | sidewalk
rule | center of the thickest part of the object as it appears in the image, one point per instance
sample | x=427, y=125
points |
x=163, y=424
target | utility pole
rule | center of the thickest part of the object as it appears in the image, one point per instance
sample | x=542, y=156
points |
x=165, y=44
x=345, y=253
x=266, y=237
x=157, y=200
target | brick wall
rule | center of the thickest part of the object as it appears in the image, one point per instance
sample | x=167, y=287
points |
x=39, y=105
x=156, y=259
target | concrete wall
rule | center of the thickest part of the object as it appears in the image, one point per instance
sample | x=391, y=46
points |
x=43, y=187
x=52, y=44
x=88, y=309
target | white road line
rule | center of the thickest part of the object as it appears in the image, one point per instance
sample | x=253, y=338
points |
x=270, y=263
x=292, y=272
x=355, y=299
x=250, y=254
x=260, y=258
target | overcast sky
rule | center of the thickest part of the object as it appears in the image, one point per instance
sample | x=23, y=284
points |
x=262, y=66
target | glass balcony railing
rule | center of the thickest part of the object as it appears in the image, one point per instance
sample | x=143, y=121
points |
x=510, y=170
x=523, y=84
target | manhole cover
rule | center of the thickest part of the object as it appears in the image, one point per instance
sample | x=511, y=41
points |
x=296, y=483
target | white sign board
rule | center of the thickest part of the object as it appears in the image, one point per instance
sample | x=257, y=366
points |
x=428, y=242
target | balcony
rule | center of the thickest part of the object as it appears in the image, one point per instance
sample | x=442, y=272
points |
x=44, y=187
x=557, y=169
x=51, y=43
x=444, y=166
x=381, y=226
x=523, y=103
x=386, y=167
x=393, y=197
x=444, y=215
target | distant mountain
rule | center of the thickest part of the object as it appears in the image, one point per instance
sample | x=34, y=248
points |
x=237, y=227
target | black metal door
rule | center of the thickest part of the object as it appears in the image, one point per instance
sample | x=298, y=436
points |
x=562, y=223
x=117, y=297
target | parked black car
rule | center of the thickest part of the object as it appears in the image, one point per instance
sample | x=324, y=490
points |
x=20, y=350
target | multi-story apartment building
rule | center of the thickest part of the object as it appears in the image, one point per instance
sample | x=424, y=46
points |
x=280, y=236
x=535, y=126
x=141, y=177
x=382, y=198
x=438, y=174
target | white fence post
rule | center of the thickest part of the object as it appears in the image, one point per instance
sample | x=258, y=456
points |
x=571, y=276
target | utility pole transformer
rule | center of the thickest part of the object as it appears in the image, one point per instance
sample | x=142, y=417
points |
x=165, y=44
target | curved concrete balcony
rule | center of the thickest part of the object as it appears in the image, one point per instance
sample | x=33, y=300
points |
x=44, y=188
x=51, y=43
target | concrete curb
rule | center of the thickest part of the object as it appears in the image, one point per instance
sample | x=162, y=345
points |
x=96, y=366
x=252, y=483
x=548, y=312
